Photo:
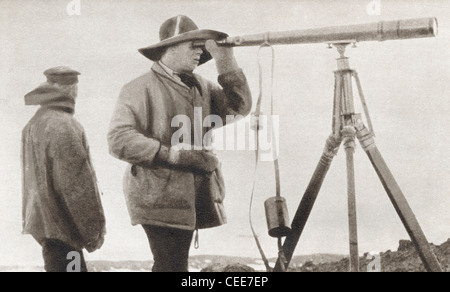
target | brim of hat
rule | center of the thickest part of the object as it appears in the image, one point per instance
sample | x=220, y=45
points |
x=154, y=52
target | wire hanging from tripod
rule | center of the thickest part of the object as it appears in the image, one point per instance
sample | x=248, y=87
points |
x=257, y=127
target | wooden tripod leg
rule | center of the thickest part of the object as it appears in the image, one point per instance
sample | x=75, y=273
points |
x=307, y=202
x=399, y=201
x=349, y=143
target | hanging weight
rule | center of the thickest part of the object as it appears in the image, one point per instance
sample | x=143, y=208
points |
x=277, y=217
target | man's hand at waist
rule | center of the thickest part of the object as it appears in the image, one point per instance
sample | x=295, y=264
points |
x=182, y=156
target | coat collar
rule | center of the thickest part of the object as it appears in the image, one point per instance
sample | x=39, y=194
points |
x=160, y=71
x=48, y=96
x=157, y=68
x=66, y=105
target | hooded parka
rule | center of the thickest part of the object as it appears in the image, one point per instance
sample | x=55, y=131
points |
x=61, y=199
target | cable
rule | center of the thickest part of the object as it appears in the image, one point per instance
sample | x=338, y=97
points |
x=274, y=149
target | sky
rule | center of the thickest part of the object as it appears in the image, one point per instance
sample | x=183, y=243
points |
x=406, y=85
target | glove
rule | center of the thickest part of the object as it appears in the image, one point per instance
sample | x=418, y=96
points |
x=224, y=57
x=194, y=160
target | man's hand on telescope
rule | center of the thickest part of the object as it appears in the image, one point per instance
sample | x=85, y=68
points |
x=224, y=56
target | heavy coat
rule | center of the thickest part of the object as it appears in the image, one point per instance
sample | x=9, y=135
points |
x=60, y=195
x=142, y=121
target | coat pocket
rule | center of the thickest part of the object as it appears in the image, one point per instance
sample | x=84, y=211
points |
x=160, y=172
x=158, y=188
x=143, y=185
x=210, y=193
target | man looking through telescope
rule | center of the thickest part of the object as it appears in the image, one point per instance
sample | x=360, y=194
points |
x=172, y=191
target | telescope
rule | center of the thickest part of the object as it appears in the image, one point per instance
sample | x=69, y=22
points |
x=378, y=31
x=347, y=126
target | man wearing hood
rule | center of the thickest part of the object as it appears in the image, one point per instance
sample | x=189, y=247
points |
x=62, y=209
x=168, y=190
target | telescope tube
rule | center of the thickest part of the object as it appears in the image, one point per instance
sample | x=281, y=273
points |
x=378, y=31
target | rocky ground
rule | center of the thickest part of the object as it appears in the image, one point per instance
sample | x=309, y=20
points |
x=405, y=259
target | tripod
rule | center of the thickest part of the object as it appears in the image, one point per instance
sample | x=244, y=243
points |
x=346, y=126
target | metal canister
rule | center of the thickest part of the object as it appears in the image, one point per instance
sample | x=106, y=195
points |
x=277, y=217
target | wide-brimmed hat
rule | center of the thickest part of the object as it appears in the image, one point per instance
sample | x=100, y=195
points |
x=180, y=29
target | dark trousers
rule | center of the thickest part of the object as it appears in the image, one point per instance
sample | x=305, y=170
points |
x=170, y=248
x=55, y=253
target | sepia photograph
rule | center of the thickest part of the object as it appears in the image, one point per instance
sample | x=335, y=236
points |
x=225, y=136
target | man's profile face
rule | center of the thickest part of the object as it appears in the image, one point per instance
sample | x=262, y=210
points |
x=185, y=56
x=71, y=90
